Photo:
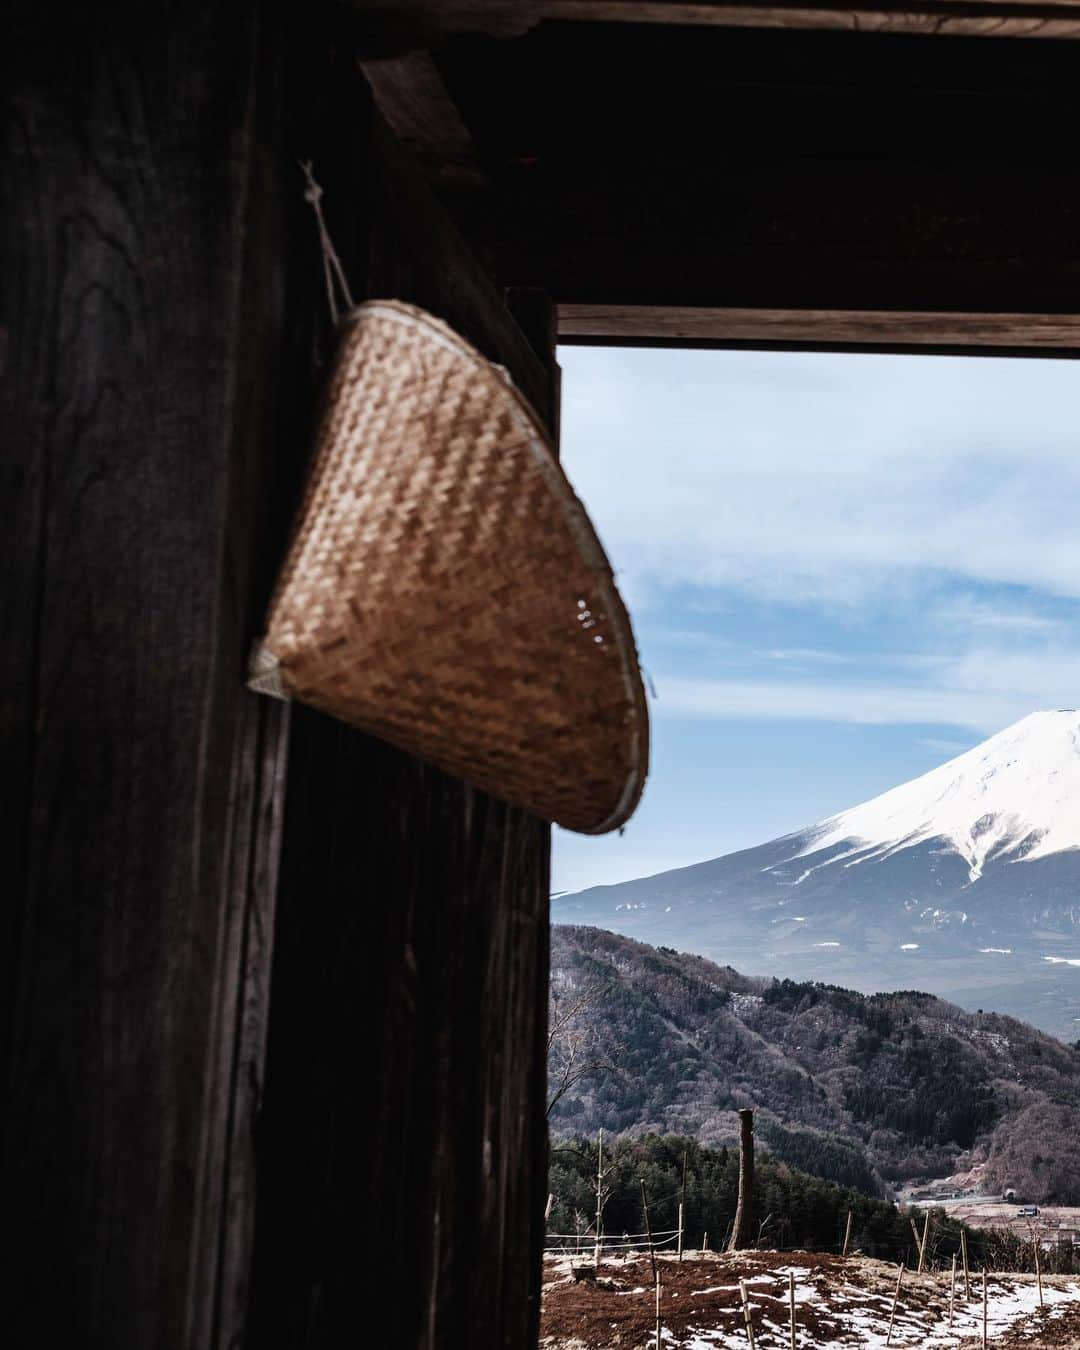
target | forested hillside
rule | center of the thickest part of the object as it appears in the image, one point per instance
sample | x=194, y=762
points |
x=791, y=1209
x=851, y=1087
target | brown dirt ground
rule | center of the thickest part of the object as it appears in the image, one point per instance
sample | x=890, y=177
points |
x=617, y=1310
x=1036, y=1331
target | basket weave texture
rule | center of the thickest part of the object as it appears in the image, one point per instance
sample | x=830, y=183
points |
x=445, y=589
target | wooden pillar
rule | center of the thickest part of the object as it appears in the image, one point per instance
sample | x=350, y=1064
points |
x=166, y=340
x=537, y=317
x=146, y=410
x=403, y=1143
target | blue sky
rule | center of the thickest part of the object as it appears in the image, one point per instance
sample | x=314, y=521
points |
x=842, y=570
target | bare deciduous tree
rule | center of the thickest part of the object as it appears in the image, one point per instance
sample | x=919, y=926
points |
x=573, y=1043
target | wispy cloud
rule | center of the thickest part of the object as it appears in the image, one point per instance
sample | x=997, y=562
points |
x=867, y=704
x=983, y=690
x=829, y=480
x=980, y=615
x=808, y=656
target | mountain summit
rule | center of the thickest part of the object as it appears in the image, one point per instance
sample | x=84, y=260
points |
x=1014, y=797
x=964, y=882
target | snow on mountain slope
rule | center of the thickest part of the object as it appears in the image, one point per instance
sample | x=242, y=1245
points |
x=1015, y=796
x=964, y=882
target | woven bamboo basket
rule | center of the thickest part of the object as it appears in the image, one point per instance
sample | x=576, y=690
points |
x=445, y=589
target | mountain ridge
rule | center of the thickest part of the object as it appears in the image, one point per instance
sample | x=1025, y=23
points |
x=864, y=1090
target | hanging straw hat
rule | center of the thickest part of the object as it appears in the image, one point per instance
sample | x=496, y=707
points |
x=445, y=589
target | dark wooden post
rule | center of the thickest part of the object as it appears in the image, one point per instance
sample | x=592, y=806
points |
x=648, y=1226
x=403, y=1141
x=740, y=1231
x=146, y=412
x=167, y=336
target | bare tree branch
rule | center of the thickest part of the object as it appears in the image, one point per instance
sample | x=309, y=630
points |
x=573, y=1042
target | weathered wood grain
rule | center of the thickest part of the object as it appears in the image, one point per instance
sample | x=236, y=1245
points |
x=506, y=18
x=418, y=109
x=418, y=254
x=403, y=1083
x=1046, y=333
x=983, y=238
x=166, y=337
x=142, y=239
x=772, y=170
x=402, y=1143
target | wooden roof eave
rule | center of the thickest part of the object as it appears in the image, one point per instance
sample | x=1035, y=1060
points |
x=422, y=22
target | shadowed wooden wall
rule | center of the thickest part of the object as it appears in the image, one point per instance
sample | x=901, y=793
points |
x=144, y=413
x=403, y=1143
x=165, y=335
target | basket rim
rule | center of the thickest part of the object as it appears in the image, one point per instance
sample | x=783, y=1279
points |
x=535, y=439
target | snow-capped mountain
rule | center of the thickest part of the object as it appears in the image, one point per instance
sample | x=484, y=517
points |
x=1015, y=796
x=964, y=882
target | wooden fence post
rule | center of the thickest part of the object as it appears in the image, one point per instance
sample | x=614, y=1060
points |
x=924, y=1243
x=599, y=1193
x=967, y=1271
x=847, y=1234
x=746, y=1314
x=659, y=1328
x=984, y=1309
x=791, y=1304
x=952, y=1290
x=1038, y=1270
x=648, y=1229
x=892, y=1311
x=682, y=1202
x=918, y=1240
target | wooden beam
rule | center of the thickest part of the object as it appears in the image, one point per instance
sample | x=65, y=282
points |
x=685, y=325
x=413, y=99
x=997, y=237
x=962, y=18
x=409, y=220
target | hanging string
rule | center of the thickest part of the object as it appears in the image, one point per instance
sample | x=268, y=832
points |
x=332, y=268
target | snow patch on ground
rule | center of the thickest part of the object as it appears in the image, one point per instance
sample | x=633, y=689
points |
x=837, y=1303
